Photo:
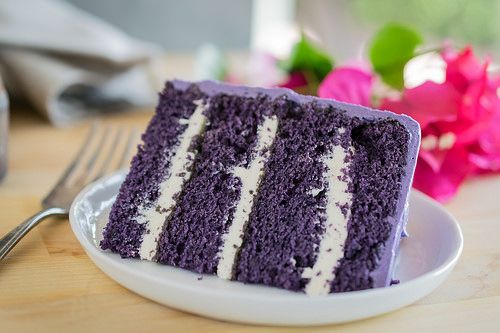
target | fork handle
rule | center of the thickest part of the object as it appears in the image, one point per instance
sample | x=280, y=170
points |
x=10, y=240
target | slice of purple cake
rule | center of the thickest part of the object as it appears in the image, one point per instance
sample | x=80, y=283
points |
x=269, y=187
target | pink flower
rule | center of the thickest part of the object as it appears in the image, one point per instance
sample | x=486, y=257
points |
x=427, y=103
x=295, y=81
x=348, y=84
x=460, y=121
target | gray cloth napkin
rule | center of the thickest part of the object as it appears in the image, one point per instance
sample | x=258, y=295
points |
x=70, y=64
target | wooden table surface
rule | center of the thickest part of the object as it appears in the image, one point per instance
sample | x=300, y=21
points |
x=48, y=284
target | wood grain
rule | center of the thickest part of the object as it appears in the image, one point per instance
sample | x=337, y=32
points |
x=48, y=284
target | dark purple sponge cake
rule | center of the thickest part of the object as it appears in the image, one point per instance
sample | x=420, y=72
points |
x=267, y=186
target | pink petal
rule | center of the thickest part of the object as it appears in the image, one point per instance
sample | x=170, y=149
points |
x=427, y=103
x=478, y=117
x=489, y=141
x=434, y=158
x=485, y=154
x=295, y=80
x=443, y=184
x=465, y=132
x=478, y=100
x=348, y=84
x=485, y=163
x=463, y=68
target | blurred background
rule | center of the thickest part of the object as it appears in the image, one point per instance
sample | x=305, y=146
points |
x=342, y=26
x=72, y=58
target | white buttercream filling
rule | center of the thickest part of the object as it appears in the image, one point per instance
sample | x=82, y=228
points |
x=250, y=178
x=331, y=247
x=155, y=215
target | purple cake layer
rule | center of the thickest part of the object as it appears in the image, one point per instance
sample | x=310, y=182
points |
x=281, y=239
x=283, y=223
x=191, y=239
x=149, y=166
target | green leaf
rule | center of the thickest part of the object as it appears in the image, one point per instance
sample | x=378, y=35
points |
x=390, y=50
x=306, y=56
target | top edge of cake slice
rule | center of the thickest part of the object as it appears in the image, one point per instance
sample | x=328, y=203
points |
x=267, y=186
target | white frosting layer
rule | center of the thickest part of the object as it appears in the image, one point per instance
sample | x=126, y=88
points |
x=331, y=247
x=155, y=216
x=250, y=178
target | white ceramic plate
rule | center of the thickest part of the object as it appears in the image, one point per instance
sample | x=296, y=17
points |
x=425, y=260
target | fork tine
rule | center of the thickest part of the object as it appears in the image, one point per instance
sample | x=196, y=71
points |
x=128, y=147
x=83, y=148
x=105, y=165
x=97, y=151
x=73, y=164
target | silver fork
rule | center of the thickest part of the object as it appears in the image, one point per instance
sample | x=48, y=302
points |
x=59, y=199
